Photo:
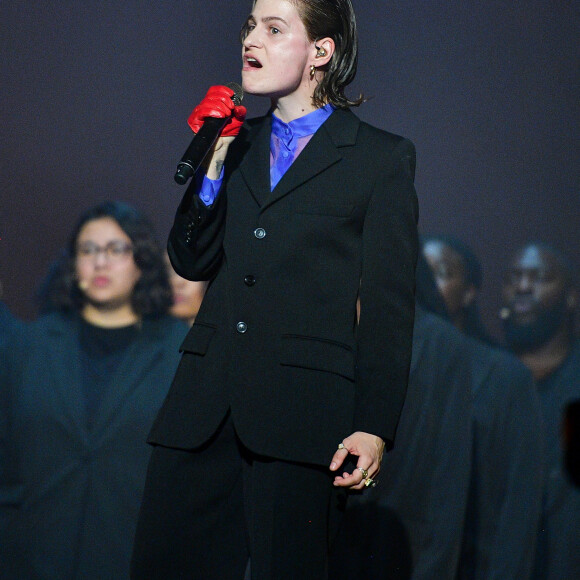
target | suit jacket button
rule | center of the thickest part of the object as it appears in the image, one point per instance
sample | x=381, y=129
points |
x=260, y=233
x=249, y=280
x=241, y=327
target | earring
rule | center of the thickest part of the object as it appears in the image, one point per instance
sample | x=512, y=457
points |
x=312, y=71
x=321, y=52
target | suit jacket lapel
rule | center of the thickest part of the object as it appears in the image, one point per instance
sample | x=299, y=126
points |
x=255, y=167
x=323, y=151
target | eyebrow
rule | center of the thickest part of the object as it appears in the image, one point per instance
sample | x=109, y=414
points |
x=268, y=19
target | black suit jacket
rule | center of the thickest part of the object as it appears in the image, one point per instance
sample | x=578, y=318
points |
x=70, y=495
x=276, y=339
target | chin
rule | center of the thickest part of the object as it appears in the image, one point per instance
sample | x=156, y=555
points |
x=183, y=313
x=252, y=86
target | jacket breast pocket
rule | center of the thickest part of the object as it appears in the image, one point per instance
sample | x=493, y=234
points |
x=197, y=339
x=318, y=354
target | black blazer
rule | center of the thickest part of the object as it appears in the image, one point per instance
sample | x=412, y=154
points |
x=70, y=495
x=276, y=339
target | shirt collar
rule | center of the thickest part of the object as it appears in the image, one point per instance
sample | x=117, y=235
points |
x=301, y=127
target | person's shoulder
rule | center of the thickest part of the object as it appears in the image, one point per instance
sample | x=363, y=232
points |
x=506, y=360
x=383, y=136
x=435, y=337
x=167, y=327
x=53, y=322
x=501, y=367
x=429, y=324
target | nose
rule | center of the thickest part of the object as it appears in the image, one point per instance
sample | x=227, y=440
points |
x=252, y=39
x=101, y=258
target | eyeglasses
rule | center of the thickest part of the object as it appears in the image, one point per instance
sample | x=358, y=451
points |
x=114, y=251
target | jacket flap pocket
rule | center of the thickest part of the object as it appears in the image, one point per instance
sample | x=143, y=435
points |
x=318, y=354
x=197, y=339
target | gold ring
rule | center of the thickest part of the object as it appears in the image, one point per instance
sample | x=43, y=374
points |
x=370, y=482
x=364, y=472
x=341, y=446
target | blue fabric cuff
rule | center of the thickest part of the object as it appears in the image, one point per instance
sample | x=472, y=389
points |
x=209, y=189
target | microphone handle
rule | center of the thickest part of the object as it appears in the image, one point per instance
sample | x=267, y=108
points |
x=200, y=146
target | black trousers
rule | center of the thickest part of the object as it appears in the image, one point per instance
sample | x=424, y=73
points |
x=206, y=512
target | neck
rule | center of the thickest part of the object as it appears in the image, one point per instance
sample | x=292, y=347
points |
x=287, y=109
x=544, y=360
x=110, y=318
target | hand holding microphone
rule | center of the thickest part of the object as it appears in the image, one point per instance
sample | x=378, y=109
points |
x=220, y=103
x=218, y=115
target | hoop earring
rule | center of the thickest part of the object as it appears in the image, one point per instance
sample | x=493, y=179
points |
x=312, y=71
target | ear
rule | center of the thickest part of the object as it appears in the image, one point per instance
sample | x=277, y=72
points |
x=469, y=296
x=323, y=51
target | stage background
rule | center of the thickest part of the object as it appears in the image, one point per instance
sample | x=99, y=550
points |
x=95, y=95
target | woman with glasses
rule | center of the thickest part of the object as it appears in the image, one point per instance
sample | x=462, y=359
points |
x=82, y=388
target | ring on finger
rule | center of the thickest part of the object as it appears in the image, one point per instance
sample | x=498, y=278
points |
x=364, y=472
x=370, y=482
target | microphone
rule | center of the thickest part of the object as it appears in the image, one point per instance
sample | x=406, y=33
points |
x=204, y=140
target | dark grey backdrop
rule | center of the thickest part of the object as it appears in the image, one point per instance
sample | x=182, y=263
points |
x=95, y=96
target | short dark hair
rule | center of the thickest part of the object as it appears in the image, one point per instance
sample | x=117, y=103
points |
x=152, y=293
x=334, y=19
x=471, y=263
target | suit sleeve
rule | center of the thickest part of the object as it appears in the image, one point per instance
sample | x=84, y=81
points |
x=385, y=332
x=195, y=244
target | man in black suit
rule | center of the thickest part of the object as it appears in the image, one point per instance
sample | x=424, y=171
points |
x=276, y=373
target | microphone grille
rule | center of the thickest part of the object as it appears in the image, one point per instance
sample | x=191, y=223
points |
x=238, y=93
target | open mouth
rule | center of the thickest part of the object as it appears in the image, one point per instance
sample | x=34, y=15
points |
x=252, y=62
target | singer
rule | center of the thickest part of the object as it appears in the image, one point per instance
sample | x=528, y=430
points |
x=283, y=400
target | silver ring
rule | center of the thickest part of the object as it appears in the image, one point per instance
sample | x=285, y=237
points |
x=341, y=446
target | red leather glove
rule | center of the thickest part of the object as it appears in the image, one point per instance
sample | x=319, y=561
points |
x=218, y=103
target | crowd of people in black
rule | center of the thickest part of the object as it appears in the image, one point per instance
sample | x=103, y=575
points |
x=475, y=487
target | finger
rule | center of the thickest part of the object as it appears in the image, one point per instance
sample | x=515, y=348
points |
x=338, y=458
x=220, y=92
x=213, y=108
x=240, y=112
x=356, y=478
